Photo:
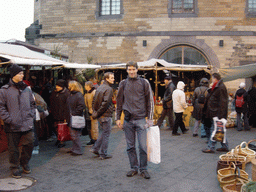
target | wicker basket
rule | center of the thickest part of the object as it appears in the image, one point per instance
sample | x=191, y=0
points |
x=230, y=171
x=235, y=187
x=254, y=169
x=252, y=146
x=250, y=153
x=226, y=164
x=228, y=157
x=238, y=151
x=232, y=179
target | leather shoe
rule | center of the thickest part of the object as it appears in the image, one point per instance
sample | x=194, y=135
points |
x=105, y=157
x=176, y=134
x=131, y=173
x=95, y=152
x=208, y=151
x=145, y=174
x=195, y=135
x=222, y=150
x=185, y=131
x=75, y=154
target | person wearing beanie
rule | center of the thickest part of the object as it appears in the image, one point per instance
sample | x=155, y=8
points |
x=167, y=103
x=242, y=96
x=179, y=106
x=18, y=111
x=59, y=107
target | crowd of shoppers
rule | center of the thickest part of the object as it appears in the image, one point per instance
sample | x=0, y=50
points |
x=22, y=111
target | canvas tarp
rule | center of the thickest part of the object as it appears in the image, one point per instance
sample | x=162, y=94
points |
x=80, y=66
x=238, y=72
x=159, y=64
x=21, y=55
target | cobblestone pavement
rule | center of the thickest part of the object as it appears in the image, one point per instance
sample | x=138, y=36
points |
x=184, y=168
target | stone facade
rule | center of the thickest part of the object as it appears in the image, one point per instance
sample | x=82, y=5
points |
x=74, y=26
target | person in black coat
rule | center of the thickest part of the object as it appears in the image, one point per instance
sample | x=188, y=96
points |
x=76, y=107
x=244, y=109
x=167, y=103
x=216, y=105
x=252, y=106
x=58, y=107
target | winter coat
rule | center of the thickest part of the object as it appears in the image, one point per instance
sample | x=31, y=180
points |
x=135, y=96
x=17, y=108
x=179, y=98
x=167, y=100
x=252, y=101
x=216, y=104
x=59, y=106
x=76, y=104
x=244, y=108
x=198, y=107
x=102, y=102
x=88, y=99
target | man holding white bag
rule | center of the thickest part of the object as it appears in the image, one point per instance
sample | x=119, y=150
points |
x=135, y=99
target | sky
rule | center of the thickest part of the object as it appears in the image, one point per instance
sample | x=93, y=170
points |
x=15, y=17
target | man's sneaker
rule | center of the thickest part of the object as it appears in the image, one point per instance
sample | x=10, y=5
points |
x=131, y=173
x=26, y=169
x=105, y=157
x=16, y=173
x=145, y=174
x=94, y=152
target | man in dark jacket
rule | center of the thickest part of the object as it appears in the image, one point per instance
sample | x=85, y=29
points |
x=241, y=92
x=216, y=105
x=17, y=110
x=135, y=99
x=103, y=110
x=167, y=103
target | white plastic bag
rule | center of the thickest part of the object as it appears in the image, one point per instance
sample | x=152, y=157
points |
x=153, y=144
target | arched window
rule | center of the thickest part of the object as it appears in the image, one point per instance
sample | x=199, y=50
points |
x=184, y=54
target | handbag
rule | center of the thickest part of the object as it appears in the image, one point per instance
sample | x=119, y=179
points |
x=77, y=122
x=63, y=132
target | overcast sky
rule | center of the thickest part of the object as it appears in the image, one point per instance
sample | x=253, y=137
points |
x=15, y=17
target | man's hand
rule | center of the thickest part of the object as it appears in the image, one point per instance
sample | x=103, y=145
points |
x=150, y=122
x=118, y=123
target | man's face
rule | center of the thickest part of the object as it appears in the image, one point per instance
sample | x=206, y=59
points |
x=166, y=81
x=111, y=79
x=87, y=87
x=132, y=71
x=58, y=88
x=19, y=77
x=214, y=80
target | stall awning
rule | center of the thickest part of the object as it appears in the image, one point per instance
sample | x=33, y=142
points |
x=80, y=66
x=238, y=72
x=161, y=65
x=23, y=56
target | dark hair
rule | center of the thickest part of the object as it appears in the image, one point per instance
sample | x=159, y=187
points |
x=132, y=63
x=89, y=83
x=106, y=75
x=216, y=76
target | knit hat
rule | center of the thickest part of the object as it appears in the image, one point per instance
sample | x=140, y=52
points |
x=14, y=70
x=242, y=85
x=61, y=83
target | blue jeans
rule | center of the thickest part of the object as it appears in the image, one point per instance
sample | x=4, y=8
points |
x=130, y=129
x=211, y=144
x=246, y=121
x=101, y=145
x=75, y=135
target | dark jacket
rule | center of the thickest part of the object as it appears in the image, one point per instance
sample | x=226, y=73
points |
x=17, y=108
x=135, y=96
x=167, y=100
x=216, y=104
x=198, y=107
x=252, y=101
x=58, y=105
x=76, y=104
x=102, y=102
x=239, y=93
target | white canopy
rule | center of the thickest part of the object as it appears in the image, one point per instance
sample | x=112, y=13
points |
x=161, y=65
x=81, y=66
x=23, y=56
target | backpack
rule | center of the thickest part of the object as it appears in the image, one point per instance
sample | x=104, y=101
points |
x=201, y=97
x=239, y=101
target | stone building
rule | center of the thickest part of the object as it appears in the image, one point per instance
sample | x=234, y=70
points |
x=218, y=33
